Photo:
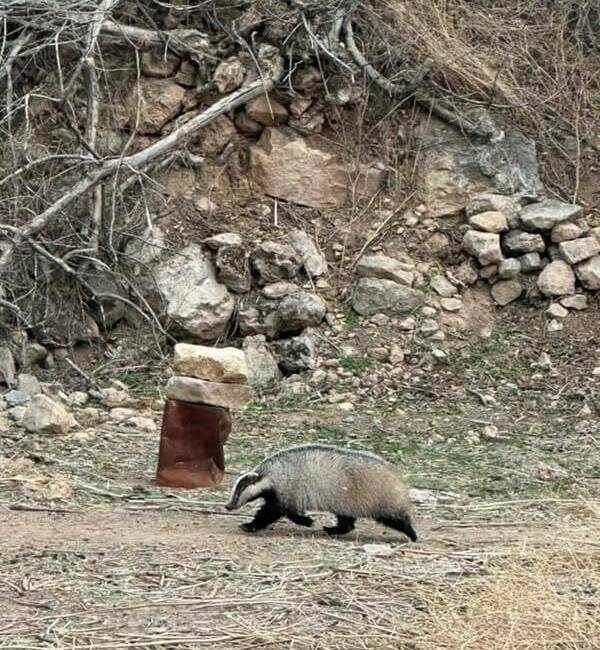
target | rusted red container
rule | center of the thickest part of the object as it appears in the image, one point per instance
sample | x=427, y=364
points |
x=191, y=445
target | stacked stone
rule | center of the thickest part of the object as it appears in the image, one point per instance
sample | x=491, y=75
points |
x=196, y=420
x=548, y=237
x=213, y=376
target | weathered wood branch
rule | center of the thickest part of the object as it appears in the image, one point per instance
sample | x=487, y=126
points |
x=140, y=159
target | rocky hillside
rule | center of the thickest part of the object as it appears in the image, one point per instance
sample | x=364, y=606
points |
x=262, y=174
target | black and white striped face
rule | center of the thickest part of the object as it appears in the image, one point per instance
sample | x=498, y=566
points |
x=248, y=487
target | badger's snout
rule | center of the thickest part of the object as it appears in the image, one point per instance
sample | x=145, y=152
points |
x=229, y=506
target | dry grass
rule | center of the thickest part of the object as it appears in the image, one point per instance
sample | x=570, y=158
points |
x=535, y=63
x=541, y=598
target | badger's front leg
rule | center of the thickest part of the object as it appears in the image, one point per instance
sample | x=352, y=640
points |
x=344, y=526
x=267, y=514
x=301, y=520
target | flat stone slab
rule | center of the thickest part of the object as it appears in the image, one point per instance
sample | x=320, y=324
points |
x=198, y=391
x=225, y=365
x=547, y=214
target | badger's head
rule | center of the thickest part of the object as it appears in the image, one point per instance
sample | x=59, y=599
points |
x=249, y=486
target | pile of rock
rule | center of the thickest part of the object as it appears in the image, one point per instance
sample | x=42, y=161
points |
x=213, y=376
x=548, y=238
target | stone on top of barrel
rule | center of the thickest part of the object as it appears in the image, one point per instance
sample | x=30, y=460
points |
x=223, y=365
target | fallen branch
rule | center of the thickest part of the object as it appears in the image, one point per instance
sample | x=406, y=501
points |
x=142, y=158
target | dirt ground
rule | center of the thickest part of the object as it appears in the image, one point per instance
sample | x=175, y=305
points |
x=94, y=555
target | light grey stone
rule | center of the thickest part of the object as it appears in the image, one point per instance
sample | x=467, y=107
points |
x=577, y=302
x=44, y=415
x=442, y=286
x=547, y=214
x=225, y=365
x=588, y=273
x=374, y=295
x=506, y=291
x=384, y=267
x=557, y=279
x=28, y=384
x=578, y=250
x=190, y=389
x=530, y=262
x=509, y=268
x=518, y=242
x=491, y=221
x=313, y=259
x=556, y=311
x=483, y=245
x=263, y=370
x=565, y=232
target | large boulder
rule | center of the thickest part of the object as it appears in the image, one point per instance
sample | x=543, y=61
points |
x=44, y=415
x=194, y=302
x=226, y=365
x=379, y=296
x=303, y=171
x=454, y=169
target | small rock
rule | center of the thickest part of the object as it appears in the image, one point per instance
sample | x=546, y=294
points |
x=247, y=126
x=17, y=398
x=578, y=250
x=530, y=262
x=544, y=362
x=225, y=365
x=577, y=302
x=299, y=310
x=428, y=327
x=187, y=76
x=145, y=424
x=28, y=384
x=466, y=273
x=275, y=261
x=491, y=221
x=547, y=214
x=438, y=245
x=485, y=202
x=120, y=414
x=451, y=304
x=296, y=354
x=313, y=259
x=190, y=389
x=407, y=324
x=589, y=273
x=278, y=290
x=229, y=75
x=381, y=320
x=379, y=354
x=233, y=268
x=428, y=312
x=223, y=239
x=565, y=232
x=34, y=355
x=488, y=272
x=263, y=370
x=557, y=279
x=378, y=550
x=299, y=106
x=249, y=321
x=555, y=325
x=374, y=295
x=152, y=104
x=506, y=291
x=383, y=267
x=345, y=406
x=17, y=413
x=483, y=245
x=554, y=253
x=308, y=81
x=518, y=242
x=266, y=111
x=556, y=311
x=396, y=355
x=43, y=415
x=509, y=268
x=78, y=398
x=438, y=355
x=442, y=286
x=7, y=366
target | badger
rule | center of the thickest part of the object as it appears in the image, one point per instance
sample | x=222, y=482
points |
x=324, y=478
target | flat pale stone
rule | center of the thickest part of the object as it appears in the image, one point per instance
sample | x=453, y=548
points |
x=225, y=365
x=557, y=279
x=490, y=221
x=547, y=214
x=578, y=250
x=189, y=389
x=506, y=291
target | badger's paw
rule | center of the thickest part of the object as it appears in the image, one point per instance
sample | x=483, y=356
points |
x=248, y=527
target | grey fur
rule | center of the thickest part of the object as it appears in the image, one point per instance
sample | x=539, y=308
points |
x=325, y=478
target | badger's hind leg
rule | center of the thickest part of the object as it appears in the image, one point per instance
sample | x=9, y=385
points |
x=301, y=520
x=266, y=515
x=344, y=526
x=403, y=524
